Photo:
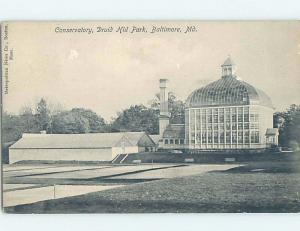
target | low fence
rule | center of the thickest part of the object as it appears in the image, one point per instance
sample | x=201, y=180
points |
x=209, y=157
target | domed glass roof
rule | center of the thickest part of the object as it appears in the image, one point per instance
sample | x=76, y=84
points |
x=228, y=91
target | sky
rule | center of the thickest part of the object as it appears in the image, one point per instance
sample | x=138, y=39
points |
x=108, y=71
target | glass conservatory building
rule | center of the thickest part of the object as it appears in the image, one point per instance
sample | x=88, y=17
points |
x=227, y=114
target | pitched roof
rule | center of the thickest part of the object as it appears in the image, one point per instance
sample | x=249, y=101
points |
x=228, y=62
x=133, y=139
x=175, y=131
x=155, y=138
x=88, y=140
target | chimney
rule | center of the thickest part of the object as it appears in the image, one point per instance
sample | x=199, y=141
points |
x=164, y=115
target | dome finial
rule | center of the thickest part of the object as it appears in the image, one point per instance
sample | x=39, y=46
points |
x=228, y=67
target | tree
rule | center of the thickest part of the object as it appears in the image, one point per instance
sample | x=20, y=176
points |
x=137, y=118
x=12, y=128
x=96, y=123
x=176, y=107
x=289, y=126
x=78, y=120
x=177, y=110
x=69, y=122
x=28, y=120
x=43, y=116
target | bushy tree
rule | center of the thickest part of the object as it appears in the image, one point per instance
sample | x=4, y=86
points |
x=78, y=120
x=289, y=126
x=177, y=109
x=12, y=128
x=137, y=118
x=96, y=123
x=69, y=123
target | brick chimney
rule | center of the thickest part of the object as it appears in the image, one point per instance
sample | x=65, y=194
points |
x=164, y=115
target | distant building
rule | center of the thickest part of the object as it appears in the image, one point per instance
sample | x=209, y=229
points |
x=226, y=114
x=155, y=139
x=79, y=147
x=272, y=136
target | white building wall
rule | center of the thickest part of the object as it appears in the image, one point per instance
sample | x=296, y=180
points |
x=104, y=154
x=163, y=123
x=141, y=149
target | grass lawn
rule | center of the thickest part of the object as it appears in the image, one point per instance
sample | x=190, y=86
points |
x=256, y=187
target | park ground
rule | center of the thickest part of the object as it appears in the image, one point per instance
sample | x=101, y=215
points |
x=264, y=186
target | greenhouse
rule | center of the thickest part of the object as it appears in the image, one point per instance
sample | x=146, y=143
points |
x=226, y=114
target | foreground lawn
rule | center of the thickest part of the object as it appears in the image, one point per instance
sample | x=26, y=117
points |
x=244, y=189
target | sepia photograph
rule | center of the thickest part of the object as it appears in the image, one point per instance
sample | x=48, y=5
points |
x=150, y=117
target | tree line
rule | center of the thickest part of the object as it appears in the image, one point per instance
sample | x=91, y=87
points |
x=81, y=120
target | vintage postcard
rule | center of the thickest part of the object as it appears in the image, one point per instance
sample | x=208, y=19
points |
x=150, y=117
